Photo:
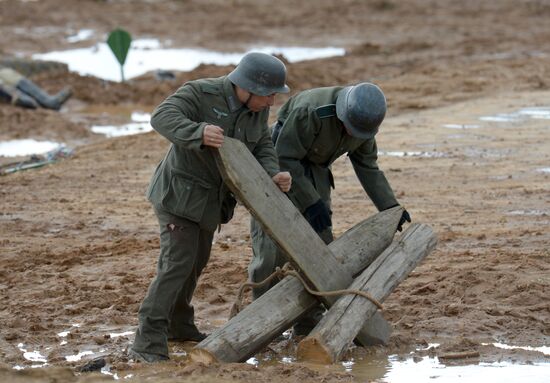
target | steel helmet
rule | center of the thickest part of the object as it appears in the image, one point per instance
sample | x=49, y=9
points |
x=260, y=74
x=361, y=108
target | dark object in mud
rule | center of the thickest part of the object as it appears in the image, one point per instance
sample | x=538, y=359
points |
x=93, y=365
x=165, y=75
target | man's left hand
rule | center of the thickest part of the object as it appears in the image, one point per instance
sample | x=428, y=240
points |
x=405, y=217
x=283, y=180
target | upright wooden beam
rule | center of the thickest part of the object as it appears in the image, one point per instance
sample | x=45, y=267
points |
x=335, y=332
x=279, y=217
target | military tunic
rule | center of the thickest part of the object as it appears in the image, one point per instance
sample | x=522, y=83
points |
x=191, y=200
x=310, y=139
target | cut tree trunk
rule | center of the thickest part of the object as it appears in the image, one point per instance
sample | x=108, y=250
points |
x=335, y=332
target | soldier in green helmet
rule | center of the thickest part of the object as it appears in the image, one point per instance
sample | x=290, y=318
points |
x=314, y=128
x=187, y=191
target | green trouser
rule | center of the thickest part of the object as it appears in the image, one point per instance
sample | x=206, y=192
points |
x=166, y=312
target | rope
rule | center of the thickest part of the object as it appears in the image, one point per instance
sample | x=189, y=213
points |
x=285, y=271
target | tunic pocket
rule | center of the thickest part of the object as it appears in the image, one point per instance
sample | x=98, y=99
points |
x=186, y=196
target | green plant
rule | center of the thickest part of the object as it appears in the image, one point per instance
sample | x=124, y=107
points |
x=119, y=41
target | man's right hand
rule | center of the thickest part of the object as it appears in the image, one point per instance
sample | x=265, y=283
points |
x=318, y=216
x=212, y=135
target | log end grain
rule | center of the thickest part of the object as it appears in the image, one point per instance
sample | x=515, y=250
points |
x=199, y=355
x=312, y=350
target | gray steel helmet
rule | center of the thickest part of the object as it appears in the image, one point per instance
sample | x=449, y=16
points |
x=260, y=74
x=361, y=108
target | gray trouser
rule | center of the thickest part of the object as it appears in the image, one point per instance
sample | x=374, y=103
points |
x=166, y=312
x=266, y=256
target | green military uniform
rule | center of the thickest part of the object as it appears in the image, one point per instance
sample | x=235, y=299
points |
x=191, y=200
x=310, y=139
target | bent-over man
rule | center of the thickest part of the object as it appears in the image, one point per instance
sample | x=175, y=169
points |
x=314, y=128
x=187, y=192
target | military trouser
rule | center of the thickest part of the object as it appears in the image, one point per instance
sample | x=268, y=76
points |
x=166, y=312
x=266, y=255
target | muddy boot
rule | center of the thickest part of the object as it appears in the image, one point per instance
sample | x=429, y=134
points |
x=145, y=357
x=11, y=96
x=24, y=101
x=43, y=98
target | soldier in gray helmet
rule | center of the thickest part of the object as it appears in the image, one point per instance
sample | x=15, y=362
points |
x=187, y=192
x=20, y=91
x=314, y=128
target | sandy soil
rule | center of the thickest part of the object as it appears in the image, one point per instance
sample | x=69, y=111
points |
x=79, y=241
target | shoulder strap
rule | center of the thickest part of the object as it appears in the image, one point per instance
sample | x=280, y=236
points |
x=210, y=88
x=326, y=111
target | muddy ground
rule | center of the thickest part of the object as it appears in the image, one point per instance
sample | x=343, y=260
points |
x=78, y=240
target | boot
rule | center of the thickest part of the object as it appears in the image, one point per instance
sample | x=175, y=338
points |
x=43, y=98
x=21, y=99
x=12, y=96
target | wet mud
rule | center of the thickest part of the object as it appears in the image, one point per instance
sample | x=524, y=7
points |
x=464, y=145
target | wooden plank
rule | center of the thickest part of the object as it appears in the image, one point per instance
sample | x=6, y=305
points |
x=283, y=222
x=275, y=311
x=335, y=332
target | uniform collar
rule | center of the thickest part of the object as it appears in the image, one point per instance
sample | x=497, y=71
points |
x=231, y=96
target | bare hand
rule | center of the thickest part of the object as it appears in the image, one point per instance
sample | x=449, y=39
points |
x=283, y=180
x=212, y=135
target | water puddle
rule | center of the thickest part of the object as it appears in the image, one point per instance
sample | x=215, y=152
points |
x=527, y=212
x=486, y=153
x=430, y=369
x=26, y=147
x=77, y=357
x=140, y=124
x=81, y=35
x=501, y=117
x=119, y=334
x=412, y=154
x=539, y=113
x=461, y=126
x=149, y=54
x=32, y=356
x=542, y=113
x=544, y=349
x=413, y=368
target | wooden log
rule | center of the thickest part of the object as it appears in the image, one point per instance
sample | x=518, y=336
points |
x=330, y=338
x=459, y=355
x=275, y=311
x=281, y=220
